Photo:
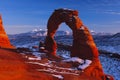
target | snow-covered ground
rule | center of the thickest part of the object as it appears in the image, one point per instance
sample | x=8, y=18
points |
x=109, y=43
x=113, y=49
x=111, y=66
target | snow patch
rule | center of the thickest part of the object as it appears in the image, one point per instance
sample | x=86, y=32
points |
x=55, y=71
x=85, y=65
x=36, y=30
x=42, y=47
x=74, y=59
x=66, y=9
x=49, y=67
x=58, y=76
x=31, y=58
x=45, y=65
x=82, y=28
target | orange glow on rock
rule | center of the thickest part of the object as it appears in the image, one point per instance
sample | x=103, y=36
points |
x=4, y=40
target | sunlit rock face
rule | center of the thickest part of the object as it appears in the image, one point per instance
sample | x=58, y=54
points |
x=83, y=43
x=4, y=41
x=58, y=16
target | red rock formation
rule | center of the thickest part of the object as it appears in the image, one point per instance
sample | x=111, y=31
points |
x=58, y=16
x=15, y=66
x=4, y=41
x=83, y=43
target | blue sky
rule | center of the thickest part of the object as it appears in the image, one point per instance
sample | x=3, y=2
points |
x=25, y=15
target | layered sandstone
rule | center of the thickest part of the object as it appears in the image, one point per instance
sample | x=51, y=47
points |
x=15, y=66
x=83, y=43
x=4, y=40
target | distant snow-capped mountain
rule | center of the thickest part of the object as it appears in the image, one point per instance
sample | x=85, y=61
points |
x=104, y=41
x=33, y=36
x=41, y=32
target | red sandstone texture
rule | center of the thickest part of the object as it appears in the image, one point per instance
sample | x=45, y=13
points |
x=58, y=16
x=83, y=43
x=15, y=66
x=4, y=41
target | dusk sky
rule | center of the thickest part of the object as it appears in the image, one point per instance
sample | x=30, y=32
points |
x=25, y=15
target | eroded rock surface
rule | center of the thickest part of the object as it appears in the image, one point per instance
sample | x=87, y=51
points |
x=4, y=40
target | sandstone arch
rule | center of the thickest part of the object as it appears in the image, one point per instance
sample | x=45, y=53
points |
x=83, y=43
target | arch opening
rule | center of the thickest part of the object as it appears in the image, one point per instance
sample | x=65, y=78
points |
x=83, y=45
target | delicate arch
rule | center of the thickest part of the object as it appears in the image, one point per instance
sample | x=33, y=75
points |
x=83, y=44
